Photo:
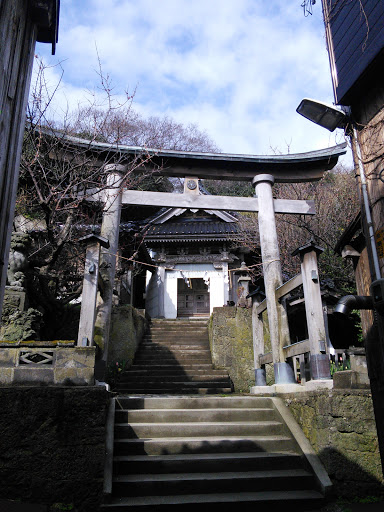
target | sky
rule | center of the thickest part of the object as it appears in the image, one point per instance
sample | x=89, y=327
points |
x=236, y=68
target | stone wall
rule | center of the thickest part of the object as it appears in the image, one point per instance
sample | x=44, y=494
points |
x=230, y=334
x=341, y=428
x=52, y=445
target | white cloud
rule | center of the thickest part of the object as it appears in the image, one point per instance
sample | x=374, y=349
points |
x=236, y=68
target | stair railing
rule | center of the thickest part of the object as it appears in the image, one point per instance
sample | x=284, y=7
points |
x=109, y=442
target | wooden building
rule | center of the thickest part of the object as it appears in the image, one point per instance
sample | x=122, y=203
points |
x=195, y=263
x=355, y=39
x=22, y=23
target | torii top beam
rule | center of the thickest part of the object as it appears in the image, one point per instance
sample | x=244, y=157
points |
x=290, y=168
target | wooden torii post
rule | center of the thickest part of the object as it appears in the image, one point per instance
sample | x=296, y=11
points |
x=263, y=171
x=270, y=255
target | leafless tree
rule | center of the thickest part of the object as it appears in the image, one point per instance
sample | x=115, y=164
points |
x=336, y=204
x=55, y=179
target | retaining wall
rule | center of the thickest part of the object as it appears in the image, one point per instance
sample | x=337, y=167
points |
x=341, y=428
x=52, y=445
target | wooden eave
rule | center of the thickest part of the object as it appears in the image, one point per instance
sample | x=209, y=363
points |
x=45, y=13
x=349, y=234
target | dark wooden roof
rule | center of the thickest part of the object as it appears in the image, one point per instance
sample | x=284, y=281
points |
x=357, y=41
x=288, y=168
x=190, y=230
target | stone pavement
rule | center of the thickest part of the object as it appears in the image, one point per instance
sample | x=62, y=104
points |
x=353, y=507
x=14, y=506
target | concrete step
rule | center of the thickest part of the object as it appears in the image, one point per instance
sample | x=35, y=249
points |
x=212, y=444
x=213, y=482
x=199, y=334
x=198, y=329
x=171, y=367
x=188, y=344
x=176, y=452
x=194, y=371
x=205, y=462
x=174, y=391
x=177, y=377
x=174, y=359
x=180, y=402
x=177, y=380
x=166, y=342
x=198, y=429
x=171, y=370
x=270, y=500
x=175, y=386
x=155, y=352
x=191, y=415
x=197, y=322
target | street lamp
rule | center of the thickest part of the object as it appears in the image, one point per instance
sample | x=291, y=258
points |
x=323, y=114
x=330, y=117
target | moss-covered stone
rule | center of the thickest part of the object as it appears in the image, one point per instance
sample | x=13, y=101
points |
x=127, y=329
x=231, y=343
x=21, y=325
x=341, y=428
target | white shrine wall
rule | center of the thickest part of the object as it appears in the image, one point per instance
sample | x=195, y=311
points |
x=160, y=293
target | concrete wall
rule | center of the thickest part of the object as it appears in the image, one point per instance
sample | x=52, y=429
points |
x=52, y=445
x=341, y=428
x=230, y=333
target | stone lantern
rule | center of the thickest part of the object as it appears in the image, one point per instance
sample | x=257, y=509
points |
x=243, y=287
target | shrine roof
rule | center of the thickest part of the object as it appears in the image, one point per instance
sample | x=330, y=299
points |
x=187, y=231
x=294, y=167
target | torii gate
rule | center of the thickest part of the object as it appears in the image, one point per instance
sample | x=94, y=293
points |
x=263, y=171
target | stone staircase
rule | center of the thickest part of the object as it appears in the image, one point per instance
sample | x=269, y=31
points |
x=174, y=358
x=181, y=452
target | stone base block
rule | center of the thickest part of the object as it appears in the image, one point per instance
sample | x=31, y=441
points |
x=348, y=379
x=32, y=376
x=313, y=385
x=6, y=376
x=262, y=390
x=276, y=389
x=289, y=388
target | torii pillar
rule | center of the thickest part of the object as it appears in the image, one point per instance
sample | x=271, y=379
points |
x=277, y=316
x=110, y=230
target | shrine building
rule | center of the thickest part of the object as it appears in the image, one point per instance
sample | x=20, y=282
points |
x=195, y=261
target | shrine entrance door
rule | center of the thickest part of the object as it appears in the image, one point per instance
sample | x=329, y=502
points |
x=192, y=298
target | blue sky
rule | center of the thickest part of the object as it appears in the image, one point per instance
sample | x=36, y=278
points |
x=236, y=68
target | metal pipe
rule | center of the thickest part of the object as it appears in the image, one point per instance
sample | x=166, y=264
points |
x=367, y=210
x=349, y=302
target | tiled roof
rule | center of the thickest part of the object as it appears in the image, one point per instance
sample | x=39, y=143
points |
x=188, y=231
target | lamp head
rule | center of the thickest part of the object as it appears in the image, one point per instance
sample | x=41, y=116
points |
x=323, y=114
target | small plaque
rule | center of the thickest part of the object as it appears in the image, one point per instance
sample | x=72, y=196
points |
x=379, y=237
